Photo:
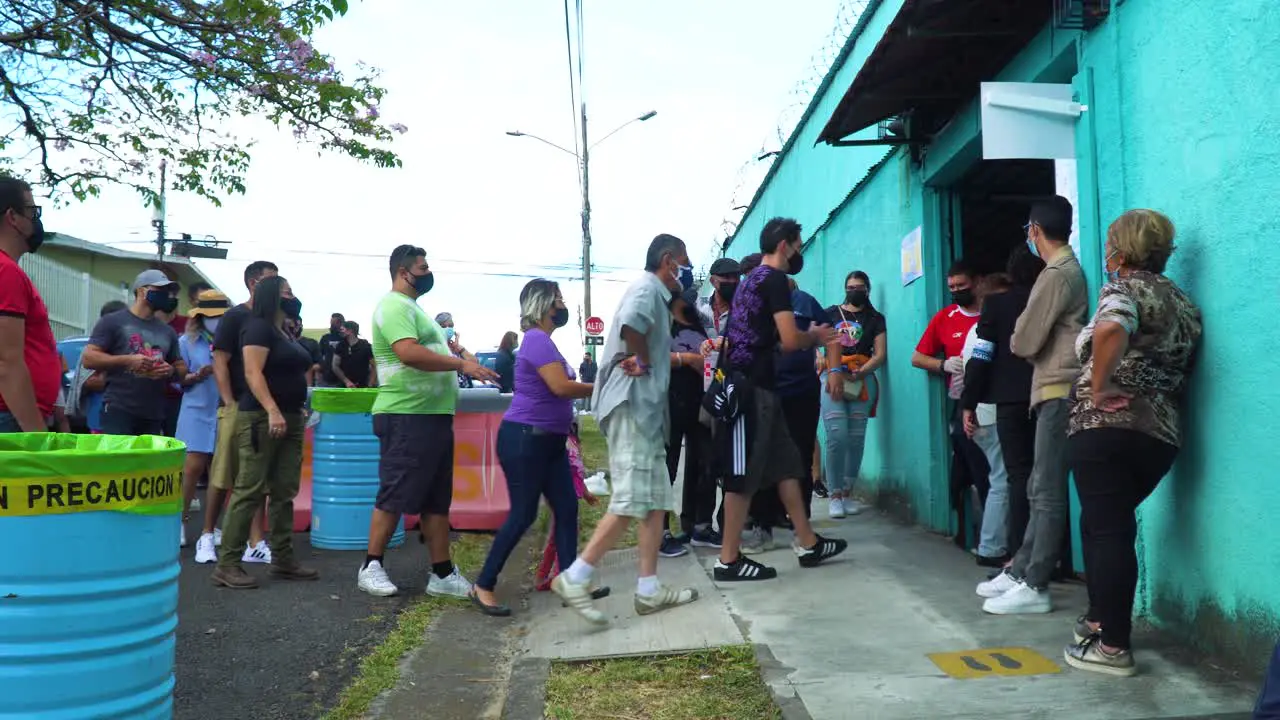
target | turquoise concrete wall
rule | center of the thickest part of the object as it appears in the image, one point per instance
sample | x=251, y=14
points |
x=808, y=181
x=866, y=234
x=1186, y=113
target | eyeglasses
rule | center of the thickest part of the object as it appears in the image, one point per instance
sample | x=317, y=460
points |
x=35, y=210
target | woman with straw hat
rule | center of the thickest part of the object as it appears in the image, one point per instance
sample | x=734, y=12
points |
x=198, y=418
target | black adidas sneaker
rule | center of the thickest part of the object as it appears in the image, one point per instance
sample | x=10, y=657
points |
x=824, y=549
x=744, y=569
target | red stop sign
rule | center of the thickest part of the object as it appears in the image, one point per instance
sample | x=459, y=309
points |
x=595, y=326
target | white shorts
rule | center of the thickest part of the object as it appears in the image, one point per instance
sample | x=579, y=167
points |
x=638, y=467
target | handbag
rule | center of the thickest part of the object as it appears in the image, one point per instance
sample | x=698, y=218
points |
x=855, y=390
x=724, y=400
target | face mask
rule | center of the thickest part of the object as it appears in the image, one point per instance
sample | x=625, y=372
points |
x=292, y=307
x=685, y=277
x=450, y=334
x=726, y=291
x=963, y=298
x=795, y=264
x=37, y=237
x=1031, y=245
x=211, y=324
x=161, y=301
x=856, y=298
x=422, y=284
x=560, y=317
x=1112, y=275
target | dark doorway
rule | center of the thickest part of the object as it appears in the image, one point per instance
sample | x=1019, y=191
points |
x=995, y=200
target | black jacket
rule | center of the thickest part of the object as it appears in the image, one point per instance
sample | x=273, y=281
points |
x=1005, y=378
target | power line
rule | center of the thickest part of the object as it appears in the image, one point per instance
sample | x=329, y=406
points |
x=573, y=90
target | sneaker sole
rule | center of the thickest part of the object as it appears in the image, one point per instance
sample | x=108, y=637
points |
x=1017, y=611
x=673, y=555
x=449, y=596
x=705, y=544
x=377, y=592
x=993, y=595
x=1094, y=667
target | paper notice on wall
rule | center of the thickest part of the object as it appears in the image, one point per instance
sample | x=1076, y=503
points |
x=912, y=262
x=1068, y=187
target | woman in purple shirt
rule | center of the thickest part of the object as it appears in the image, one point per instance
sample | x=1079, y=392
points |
x=532, y=440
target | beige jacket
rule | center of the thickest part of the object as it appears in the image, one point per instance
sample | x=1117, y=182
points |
x=1045, y=333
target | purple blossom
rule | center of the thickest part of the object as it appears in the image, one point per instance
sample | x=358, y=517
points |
x=61, y=144
x=301, y=51
x=372, y=112
x=135, y=165
x=299, y=132
x=204, y=58
x=399, y=128
x=258, y=90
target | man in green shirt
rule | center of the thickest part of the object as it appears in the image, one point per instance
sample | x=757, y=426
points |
x=413, y=419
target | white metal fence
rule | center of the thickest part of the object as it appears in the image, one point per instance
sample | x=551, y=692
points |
x=74, y=297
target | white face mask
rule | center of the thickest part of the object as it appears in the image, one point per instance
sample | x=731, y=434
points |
x=211, y=324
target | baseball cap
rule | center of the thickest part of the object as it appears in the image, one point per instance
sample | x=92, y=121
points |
x=726, y=267
x=153, y=278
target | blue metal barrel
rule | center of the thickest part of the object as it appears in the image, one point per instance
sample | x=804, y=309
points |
x=344, y=482
x=88, y=591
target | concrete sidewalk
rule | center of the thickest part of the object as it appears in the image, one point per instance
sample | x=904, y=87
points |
x=868, y=637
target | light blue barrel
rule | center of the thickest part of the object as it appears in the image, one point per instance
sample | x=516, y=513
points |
x=89, y=579
x=344, y=464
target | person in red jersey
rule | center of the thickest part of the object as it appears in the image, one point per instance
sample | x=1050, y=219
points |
x=29, y=364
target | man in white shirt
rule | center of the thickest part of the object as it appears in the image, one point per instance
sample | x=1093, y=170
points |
x=630, y=403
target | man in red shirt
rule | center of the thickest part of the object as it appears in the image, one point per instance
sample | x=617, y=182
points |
x=29, y=377
x=939, y=351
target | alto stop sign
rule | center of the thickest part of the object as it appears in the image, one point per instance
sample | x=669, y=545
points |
x=595, y=326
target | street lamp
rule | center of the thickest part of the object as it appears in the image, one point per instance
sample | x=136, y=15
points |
x=583, y=166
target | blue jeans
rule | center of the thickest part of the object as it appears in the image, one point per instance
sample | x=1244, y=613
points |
x=845, y=423
x=994, y=536
x=536, y=464
x=9, y=423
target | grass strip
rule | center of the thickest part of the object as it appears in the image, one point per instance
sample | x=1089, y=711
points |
x=709, y=684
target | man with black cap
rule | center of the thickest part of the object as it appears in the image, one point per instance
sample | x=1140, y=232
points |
x=139, y=354
x=714, y=309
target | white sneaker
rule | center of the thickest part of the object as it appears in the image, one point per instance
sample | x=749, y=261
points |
x=1021, y=600
x=852, y=507
x=259, y=553
x=217, y=537
x=182, y=535
x=578, y=597
x=205, y=549
x=997, y=586
x=665, y=598
x=373, y=580
x=836, y=508
x=454, y=586
x=756, y=541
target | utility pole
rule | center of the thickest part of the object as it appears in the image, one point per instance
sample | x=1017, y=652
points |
x=586, y=222
x=157, y=218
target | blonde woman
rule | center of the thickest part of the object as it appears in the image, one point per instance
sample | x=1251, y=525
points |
x=197, y=425
x=533, y=440
x=1123, y=433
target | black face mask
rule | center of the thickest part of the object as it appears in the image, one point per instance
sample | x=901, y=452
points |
x=856, y=298
x=560, y=317
x=726, y=291
x=963, y=298
x=161, y=301
x=422, y=284
x=795, y=264
x=292, y=307
x=37, y=238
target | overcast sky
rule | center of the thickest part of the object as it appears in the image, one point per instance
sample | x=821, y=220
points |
x=494, y=211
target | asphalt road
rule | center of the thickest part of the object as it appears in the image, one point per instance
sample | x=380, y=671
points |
x=286, y=649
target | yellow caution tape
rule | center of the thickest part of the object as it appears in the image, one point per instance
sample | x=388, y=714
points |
x=148, y=493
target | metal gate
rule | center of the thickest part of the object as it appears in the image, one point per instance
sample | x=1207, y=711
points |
x=74, y=297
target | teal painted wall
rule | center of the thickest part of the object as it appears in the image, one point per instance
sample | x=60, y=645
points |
x=1188, y=124
x=866, y=234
